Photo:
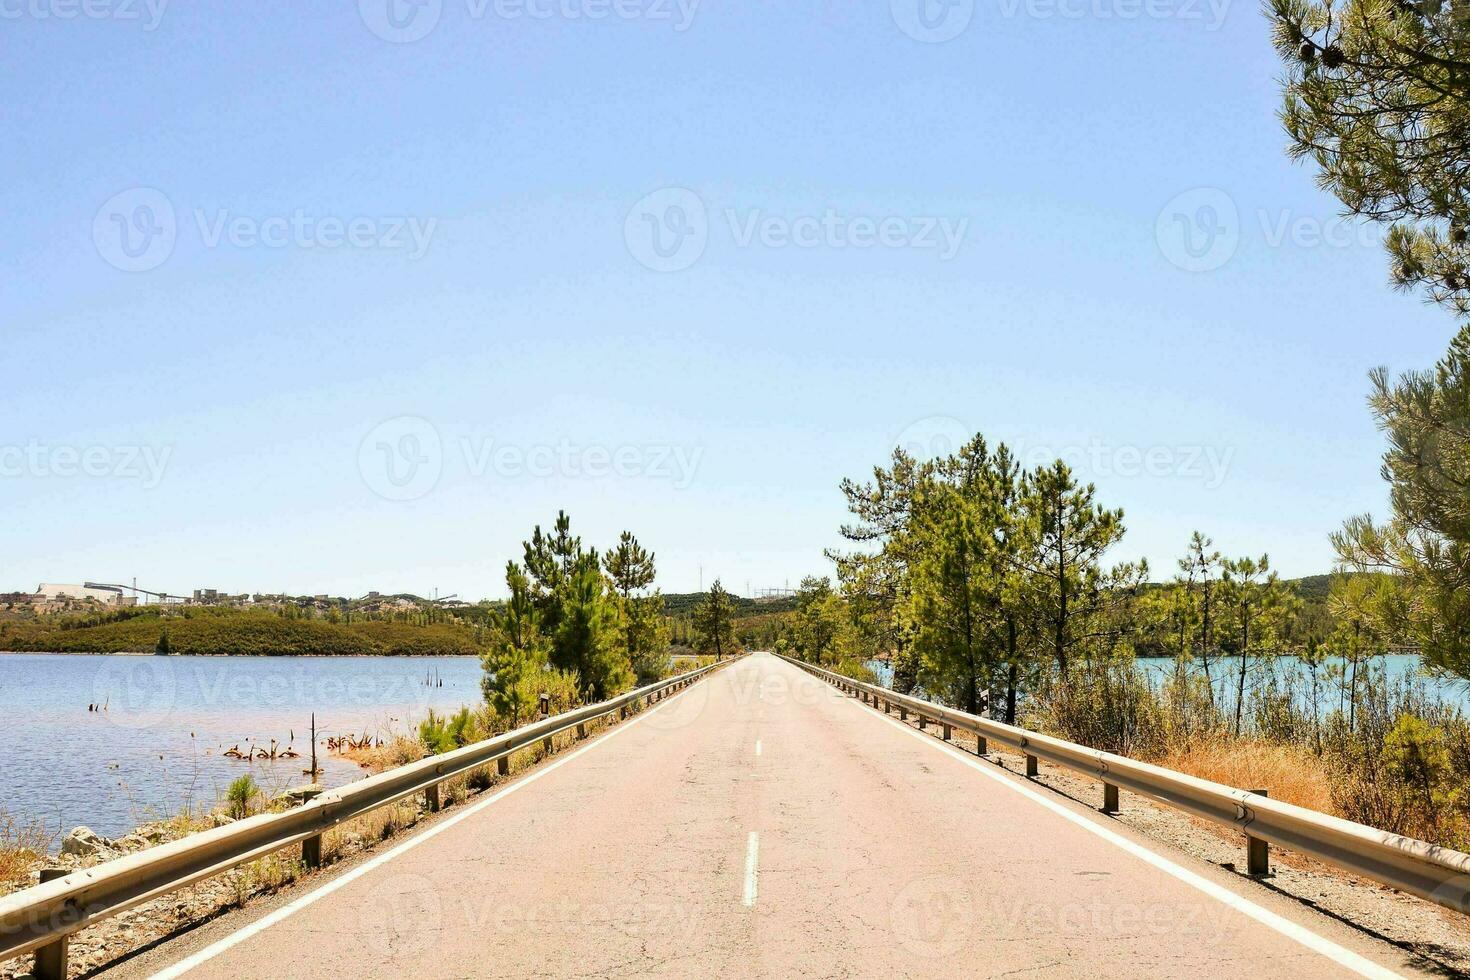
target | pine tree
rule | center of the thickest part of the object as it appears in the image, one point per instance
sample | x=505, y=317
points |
x=1254, y=602
x=877, y=583
x=818, y=622
x=518, y=654
x=1069, y=535
x=586, y=637
x=714, y=621
x=1377, y=93
x=971, y=629
x=550, y=560
x=1426, y=540
x=644, y=629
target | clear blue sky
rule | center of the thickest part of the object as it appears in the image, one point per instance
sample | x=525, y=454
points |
x=238, y=404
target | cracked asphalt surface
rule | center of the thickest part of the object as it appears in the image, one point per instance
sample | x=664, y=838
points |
x=879, y=855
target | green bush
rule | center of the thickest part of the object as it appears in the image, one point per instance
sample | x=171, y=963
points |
x=240, y=796
x=441, y=733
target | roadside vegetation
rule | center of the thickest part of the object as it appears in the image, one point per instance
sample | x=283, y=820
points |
x=989, y=587
x=581, y=626
x=23, y=846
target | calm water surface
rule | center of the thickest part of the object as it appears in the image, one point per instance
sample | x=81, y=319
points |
x=1223, y=673
x=159, y=744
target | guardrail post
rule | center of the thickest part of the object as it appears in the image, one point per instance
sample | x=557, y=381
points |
x=311, y=851
x=980, y=748
x=431, y=798
x=1110, y=798
x=52, y=959
x=948, y=731
x=1031, y=770
x=502, y=765
x=923, y=723
x=311, y=848
x=903, y=713
x=581, y=730
x=1257, y=851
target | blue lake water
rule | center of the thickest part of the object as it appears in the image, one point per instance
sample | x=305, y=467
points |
x=1224, y=673
x=159, y=744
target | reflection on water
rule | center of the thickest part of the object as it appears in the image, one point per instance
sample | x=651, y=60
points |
x=159, y=744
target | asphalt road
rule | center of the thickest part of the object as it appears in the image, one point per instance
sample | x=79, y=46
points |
x=762, y=824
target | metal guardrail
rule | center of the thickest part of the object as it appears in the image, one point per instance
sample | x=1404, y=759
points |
x=1439, y=874
x=42, y=917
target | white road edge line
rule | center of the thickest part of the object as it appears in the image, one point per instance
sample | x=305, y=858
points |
x=286, y=911
x=757, y=747
x=1338, y=954
x=752, y=867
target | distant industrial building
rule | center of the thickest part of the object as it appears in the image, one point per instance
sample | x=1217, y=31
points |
x=51, y=591
x=54, y=596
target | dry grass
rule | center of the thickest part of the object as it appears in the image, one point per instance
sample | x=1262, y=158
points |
x=1290, y=773
x=23, y=847
x=397, y=751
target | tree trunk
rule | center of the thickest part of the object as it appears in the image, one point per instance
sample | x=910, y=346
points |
x=1245, y=647
x=1010, y=718
x=1204, y=648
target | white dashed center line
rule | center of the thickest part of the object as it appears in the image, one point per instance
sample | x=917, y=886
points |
x=752, y=865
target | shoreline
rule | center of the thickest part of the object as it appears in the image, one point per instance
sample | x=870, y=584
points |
x=222, y=656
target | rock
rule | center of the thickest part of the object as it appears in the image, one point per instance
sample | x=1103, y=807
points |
x=297, y=795
x=84, y=842
x=132, y=842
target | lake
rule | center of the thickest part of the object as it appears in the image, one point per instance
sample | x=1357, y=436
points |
x=159, y=745
x=1223, y=674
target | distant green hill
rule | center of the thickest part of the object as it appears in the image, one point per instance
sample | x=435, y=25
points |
x=1313, y=588
x=239, y=632
x=683, y=603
